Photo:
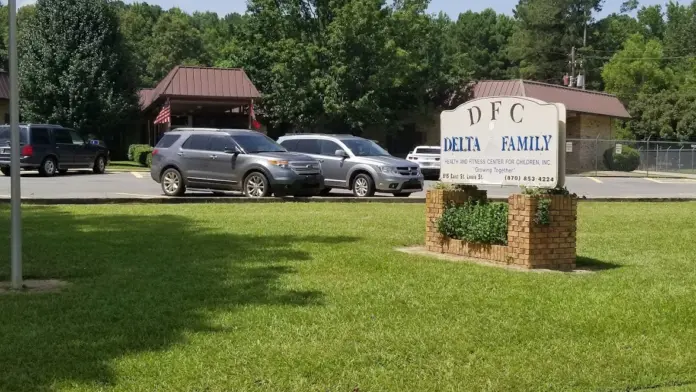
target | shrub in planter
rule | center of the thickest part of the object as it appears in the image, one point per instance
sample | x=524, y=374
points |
x=476, y=222
x=627, y=161
x=148, y=160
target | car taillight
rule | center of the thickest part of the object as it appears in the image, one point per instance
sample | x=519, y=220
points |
x=154, y=152
x=27, y=151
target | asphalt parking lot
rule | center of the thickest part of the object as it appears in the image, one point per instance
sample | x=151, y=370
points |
x=139, y=185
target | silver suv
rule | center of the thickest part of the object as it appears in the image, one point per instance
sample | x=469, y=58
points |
x=358, y=164
x=232, y=160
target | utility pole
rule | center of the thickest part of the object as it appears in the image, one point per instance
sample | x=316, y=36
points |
x=15, y=193
x=572, y=66
x=584, y=45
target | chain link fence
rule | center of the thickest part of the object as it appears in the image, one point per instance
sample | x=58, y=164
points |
x=598, y=157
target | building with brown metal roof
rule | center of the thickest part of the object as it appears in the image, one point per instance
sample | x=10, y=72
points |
x=199, y=97
x=589, y=121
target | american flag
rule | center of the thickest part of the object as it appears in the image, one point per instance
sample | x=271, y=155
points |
x=254, y=124
x=164, y=115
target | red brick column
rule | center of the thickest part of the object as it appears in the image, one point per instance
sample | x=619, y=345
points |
x=533, y=245
x=436, y=200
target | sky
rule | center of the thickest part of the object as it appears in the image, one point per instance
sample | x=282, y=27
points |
x=451, y=7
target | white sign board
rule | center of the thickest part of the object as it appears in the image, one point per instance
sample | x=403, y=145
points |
x=619, y=148
x=569, y=146
x=503, y=141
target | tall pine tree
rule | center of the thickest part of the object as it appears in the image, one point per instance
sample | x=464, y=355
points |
x=75, y=69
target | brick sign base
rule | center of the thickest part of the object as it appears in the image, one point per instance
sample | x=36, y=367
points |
x=530, y=245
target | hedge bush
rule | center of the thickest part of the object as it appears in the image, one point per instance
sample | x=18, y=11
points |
x=627, y=161
x=139, y=153
x=483, y=223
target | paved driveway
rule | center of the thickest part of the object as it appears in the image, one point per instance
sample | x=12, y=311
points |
x=139, y=184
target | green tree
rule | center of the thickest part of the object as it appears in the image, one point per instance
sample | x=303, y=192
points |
x=638, y=68
x=137, y=22
x=545, y=33
x=175, y=41
x=482, y=41
x=652, y=21
x=347, y=65
x=75, y=69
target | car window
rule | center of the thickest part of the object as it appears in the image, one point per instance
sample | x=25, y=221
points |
x=40, y=136
x=257, y=142
x=62, y=136
x=365, y=148
x=290, y=145
x=425, y=150
x=196, y=142
x=220, y=143
x=327, y=147
x=167, y=140
x=308, y=146
x=76, y=138
x=5, y=134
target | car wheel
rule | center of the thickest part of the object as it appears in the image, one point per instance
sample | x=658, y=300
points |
x=172, y=183
x=325, y=192
x=5, y=170
x=402, y=194
x=48, y=167
x=256, y=185
x=99, y=165
x=62, y=171
x=363, y=186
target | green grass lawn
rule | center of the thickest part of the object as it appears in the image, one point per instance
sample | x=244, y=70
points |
x=126, y=165
x=312, y=297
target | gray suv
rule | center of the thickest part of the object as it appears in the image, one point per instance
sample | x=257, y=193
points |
x=232, y=160
x=358, y=164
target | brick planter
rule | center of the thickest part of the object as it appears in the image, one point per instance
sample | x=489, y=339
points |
x=530, y=245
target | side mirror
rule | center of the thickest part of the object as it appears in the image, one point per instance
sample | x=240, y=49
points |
x=232, y=150
x=341, y=153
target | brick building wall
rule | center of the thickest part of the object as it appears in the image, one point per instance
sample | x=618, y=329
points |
x=587, y=153
x=530, y=245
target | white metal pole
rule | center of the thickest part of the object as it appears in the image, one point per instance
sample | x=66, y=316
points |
x=15, y=193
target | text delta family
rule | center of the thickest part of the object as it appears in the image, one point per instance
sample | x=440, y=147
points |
x=508, y=143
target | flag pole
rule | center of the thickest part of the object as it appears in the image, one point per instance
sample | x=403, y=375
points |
x=251, y=110
x=15, y=192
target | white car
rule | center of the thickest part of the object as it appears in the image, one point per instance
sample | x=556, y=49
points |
x=428, y=158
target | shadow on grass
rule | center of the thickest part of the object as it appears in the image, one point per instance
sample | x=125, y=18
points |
x=137, y=284
x=594, y=264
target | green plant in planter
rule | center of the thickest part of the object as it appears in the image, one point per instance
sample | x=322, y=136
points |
x=476, y=222
x=454, y=187
x=543, y=213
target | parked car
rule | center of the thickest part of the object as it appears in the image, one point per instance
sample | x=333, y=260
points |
x=51, y=149
x=428, y=158
x=232, y=160
x=358, y=164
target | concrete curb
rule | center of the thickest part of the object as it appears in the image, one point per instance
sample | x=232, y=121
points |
x=213, y=200
x=243, y=200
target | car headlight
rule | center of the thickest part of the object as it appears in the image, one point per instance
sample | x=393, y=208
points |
x=389, y=170
x=279, y=163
